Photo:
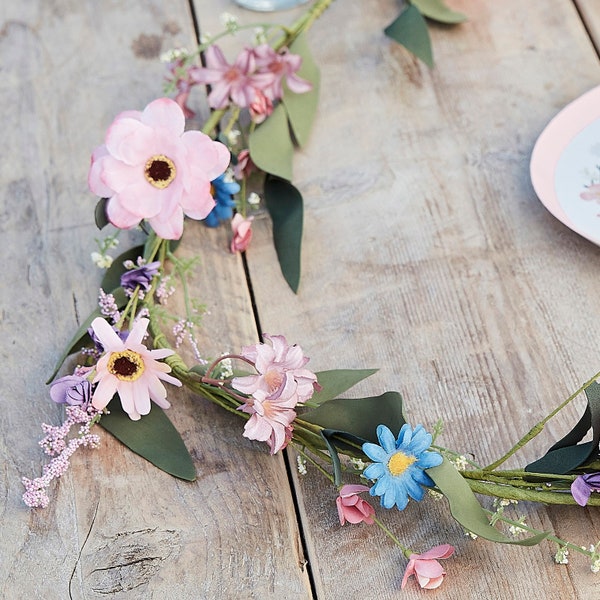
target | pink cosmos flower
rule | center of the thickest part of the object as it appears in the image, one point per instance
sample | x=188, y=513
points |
x=428, y=571
x=271, y=419
x=129, y=369
x=591, y=193
x=281, y=372
x=149, y=168
x=227, y=81
x=352, y=508
x=242, y=233
x=280, y=65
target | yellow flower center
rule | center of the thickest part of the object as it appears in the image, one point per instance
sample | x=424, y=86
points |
x=399, y=462
x=126, y=365
x=160, y=171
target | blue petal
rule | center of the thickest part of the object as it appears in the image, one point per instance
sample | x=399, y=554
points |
x=421, y=440
x=422, y=478
x=401, y=498
x=375, y=452
x=386, y=438
x=414, y=490
x=404, y=437
x=374, y=471
x=429, y=459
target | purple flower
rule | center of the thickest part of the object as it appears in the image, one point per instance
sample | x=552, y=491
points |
x=583, y=486
x=141, y=276
x=72, y=390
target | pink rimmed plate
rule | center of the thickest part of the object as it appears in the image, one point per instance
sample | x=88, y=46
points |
x=565, y=164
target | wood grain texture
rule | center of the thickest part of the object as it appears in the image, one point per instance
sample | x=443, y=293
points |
x=427, y=254
x=117, y=527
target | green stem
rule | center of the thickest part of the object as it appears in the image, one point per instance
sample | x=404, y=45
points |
x=406, y=551
x=537, y=429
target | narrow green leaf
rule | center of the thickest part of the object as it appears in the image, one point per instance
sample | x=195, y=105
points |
x=466, y=509
x=100, y=214
x=270, y=144
x=410, y=30
x=359, y=417
x=568, y=454
x=336, y=382
x=285, y=206
x=112, y=277
x=153, y=437
x=436, y=10
x=301, y=108
x=81, y=337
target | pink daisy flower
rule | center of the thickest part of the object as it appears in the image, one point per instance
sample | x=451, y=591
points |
x=227, y=81
x=129, y=369
x=352, y=508
x=149, y=168
x=281, y=371
x=280, y=66
x=271, y=420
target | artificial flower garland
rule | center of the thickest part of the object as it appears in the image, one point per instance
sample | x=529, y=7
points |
x=152, y=173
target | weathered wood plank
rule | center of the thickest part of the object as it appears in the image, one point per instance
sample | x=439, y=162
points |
x=116, y=526
x=590, y=14
x=427, y=254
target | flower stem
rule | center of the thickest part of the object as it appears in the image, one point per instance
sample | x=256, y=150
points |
x=537, y=429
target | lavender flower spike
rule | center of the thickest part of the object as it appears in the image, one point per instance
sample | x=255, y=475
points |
x=141, y=276
x=583, y=486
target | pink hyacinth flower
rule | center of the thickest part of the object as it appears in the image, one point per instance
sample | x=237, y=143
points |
x=149, y=168
x=427, y=570
x=352, y=508
x=271, y=420
x=130, y=370
x=226, y=80
x=281, y=371
x=279, y=66
x=242, y=233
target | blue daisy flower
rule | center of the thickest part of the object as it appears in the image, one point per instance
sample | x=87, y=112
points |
x=222, y=191
x=398, y=467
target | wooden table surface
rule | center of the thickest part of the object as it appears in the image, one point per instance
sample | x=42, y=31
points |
x=426, y=254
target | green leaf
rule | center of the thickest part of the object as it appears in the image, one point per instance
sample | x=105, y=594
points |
x=112, y=277
x=410, y=30
x=81, y=337
x=568, y=454
x=285, y=206
x=100, y=213
x=336, y=382
x=153, y=437
x=271, y=147
x=301, y=108
x=438, y=11
x=359, y=417
x=466, y=509
x=337, y=439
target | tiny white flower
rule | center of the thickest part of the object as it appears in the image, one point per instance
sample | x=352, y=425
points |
x=233, y=136
x=254, y=199
x=301, y=465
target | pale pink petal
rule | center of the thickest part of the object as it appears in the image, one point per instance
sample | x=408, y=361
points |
x=139, y=392
x=120, y=217
x=353, y=488
x=128, y=140
x=171, y=229
x=104, y=392
x=158, y=393
x=142, y=199
x=161, y=353
x=442, y=551
x=257, y=428
x=207, y=156
x=169, y=379
x=126, y=394
x=107, y=335
x=165, y=113
x=117, y=175
x=95, y=181
x=138, y=332
x=410, y=570
x=428, y=568
x=298, y=85
x=429, y=584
